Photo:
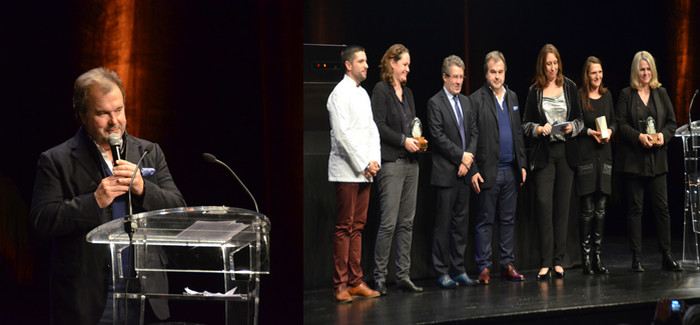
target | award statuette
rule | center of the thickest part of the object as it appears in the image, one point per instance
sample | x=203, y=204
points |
x=417, y=133
x=651, y=130
x=602, y=126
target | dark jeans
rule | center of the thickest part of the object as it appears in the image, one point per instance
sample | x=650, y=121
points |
x=501, y=199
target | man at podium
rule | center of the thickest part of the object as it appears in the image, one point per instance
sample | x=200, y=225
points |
x=81, y=184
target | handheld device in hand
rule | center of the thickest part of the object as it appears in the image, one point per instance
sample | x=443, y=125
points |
x=675, y=306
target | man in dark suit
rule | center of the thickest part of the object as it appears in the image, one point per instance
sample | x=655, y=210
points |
x=454, y=135
x=80, y=186
x=499, y=168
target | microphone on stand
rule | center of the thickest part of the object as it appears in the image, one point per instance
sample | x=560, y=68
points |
x=690, y=120
x=210, y=158
x=690, y=107
x=128, y=228
x=115, y=144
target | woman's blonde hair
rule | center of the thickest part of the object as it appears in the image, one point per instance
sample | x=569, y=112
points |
x=634, y=71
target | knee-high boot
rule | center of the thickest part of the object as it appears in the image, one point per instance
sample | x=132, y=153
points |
x=597, y=241
x=585, y=225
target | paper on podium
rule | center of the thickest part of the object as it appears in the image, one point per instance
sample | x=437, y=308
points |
x=212, y=230
x=556, y=128
x=191, y=292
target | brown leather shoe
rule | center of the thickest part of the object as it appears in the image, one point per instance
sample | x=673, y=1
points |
x=342, y=295
x=484, y=276
x=364, y=291
x=510, y=273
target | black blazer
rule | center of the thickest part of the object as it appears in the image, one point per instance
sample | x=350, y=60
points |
x=64, y=210
x=446, y=143
x=387, y=116
x=534, y=116
x=631, y=156
x=488, y=147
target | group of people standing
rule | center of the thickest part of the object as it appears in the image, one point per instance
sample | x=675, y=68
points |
x=478, y=144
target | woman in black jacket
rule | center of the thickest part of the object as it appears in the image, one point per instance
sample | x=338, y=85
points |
x=594, y=173
x=552, y=119
x=646, y=122
x=394, y=109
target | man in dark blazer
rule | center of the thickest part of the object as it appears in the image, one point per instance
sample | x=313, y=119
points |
x=80, y=186
x=454, y=135
x=499, y=168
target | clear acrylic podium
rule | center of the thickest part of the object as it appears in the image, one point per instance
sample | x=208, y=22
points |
x=227, y=247
x=691, y=219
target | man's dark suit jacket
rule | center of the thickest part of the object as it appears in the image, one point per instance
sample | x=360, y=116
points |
x=488, y=146
x=387, y=116
x=445, y=140
x=64, y=210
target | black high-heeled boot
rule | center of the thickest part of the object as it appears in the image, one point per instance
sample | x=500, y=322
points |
x=585, y=225
x=636, y=262
x=597, y=240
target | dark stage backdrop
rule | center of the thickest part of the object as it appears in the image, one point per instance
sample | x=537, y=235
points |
x=612, y=31
x=200, y=76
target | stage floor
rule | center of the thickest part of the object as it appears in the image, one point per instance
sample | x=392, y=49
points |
x=623, y=297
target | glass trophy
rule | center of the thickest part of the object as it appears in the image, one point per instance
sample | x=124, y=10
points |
x=417, y=133
x=651, y=130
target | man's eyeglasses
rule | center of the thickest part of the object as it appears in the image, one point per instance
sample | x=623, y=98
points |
x=456, y=77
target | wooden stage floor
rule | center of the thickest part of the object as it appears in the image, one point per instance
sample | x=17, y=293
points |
x=623, y=297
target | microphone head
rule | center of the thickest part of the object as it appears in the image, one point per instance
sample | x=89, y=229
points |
x=209, y=157
x=149, y=147
x=114, y=139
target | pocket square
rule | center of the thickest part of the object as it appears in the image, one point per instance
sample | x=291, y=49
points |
x=146, y=171
x=515, y=108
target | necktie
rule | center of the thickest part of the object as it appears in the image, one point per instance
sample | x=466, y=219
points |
x=460, y=121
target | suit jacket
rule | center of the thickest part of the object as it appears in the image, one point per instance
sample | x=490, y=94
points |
x=488, y=146
x=445, y=140
x=631, y=156
x=387, y=116
x=64, y=210
x=534, y=116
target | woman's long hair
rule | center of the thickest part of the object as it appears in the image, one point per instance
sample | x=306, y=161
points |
x=540, y=74
x=393, y=53
x=586, y=83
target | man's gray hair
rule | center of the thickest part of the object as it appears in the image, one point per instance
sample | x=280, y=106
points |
x=449, y=61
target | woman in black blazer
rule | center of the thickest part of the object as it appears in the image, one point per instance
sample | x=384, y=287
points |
x=551, y=100
x=594, y=173
x=646, y=122
x=394, y=109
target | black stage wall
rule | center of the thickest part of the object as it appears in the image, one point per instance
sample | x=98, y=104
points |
x=222, y=77
x=612, y=31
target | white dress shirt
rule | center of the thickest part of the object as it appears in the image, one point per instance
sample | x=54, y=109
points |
x=354, y=135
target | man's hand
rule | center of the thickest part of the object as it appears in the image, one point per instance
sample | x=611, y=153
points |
x=467, y=159
x=371, y=169
x=411, y=145
x=109, y=188
x=124, y=170
x=462, y=170
x=524, y=177
x=476, y=180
